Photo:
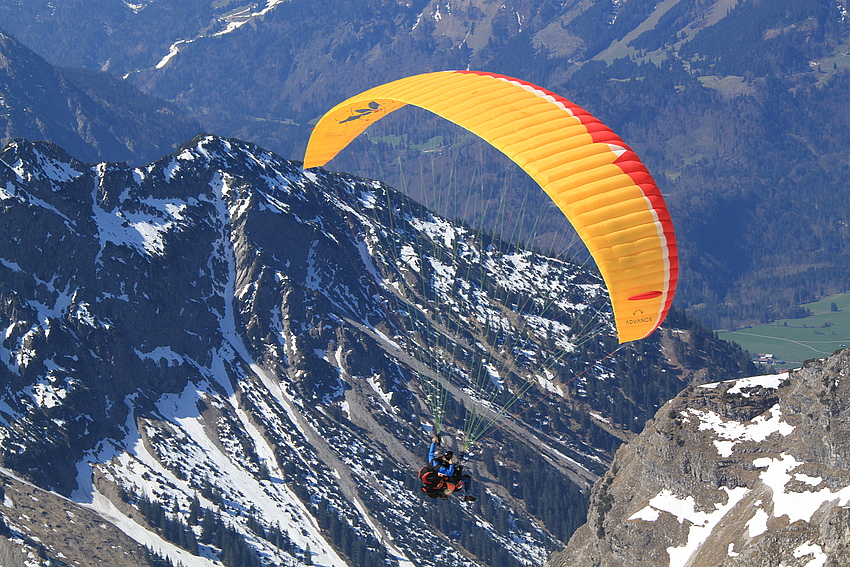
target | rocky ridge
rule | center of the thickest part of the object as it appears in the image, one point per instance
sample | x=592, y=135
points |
x=749, y=472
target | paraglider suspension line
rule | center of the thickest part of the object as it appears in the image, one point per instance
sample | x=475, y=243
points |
x=516, y=416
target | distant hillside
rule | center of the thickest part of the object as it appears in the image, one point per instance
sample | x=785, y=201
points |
x=93, y=114
x=739, y=108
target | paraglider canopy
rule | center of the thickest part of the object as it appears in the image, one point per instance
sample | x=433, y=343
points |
x=596, y=180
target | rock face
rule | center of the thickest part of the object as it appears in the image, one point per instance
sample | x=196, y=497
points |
x=749, y=472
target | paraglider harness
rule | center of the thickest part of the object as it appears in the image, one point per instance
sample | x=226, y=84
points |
x=436, y=485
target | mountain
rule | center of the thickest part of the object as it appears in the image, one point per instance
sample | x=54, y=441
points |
x=227, y=357
x=744, y=472
x=92, y=114
x=737, y=108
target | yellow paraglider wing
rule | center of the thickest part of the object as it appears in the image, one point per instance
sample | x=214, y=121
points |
x=588, y=171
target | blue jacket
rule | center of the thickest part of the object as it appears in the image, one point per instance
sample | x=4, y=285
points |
x=441, y=470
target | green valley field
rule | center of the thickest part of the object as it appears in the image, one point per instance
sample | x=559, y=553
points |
x=794, y=340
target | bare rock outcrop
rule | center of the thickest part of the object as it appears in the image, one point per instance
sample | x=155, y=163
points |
x=750, y=472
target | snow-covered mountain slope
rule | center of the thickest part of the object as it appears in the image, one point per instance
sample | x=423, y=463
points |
x=223, y=355
x=752, y=471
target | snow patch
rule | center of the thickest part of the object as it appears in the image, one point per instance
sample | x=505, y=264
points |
x=11, y=265
x=409, y=257
x=772, y=381
x=144, y=229
x=795, y=505
x=684, y=509
x=647, y=514
x=160, y=355
x=48, y=395
x=757, y=525
x=733, y=432
x=809, y=548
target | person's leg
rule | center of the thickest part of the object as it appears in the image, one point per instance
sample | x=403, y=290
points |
x=467, y=486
